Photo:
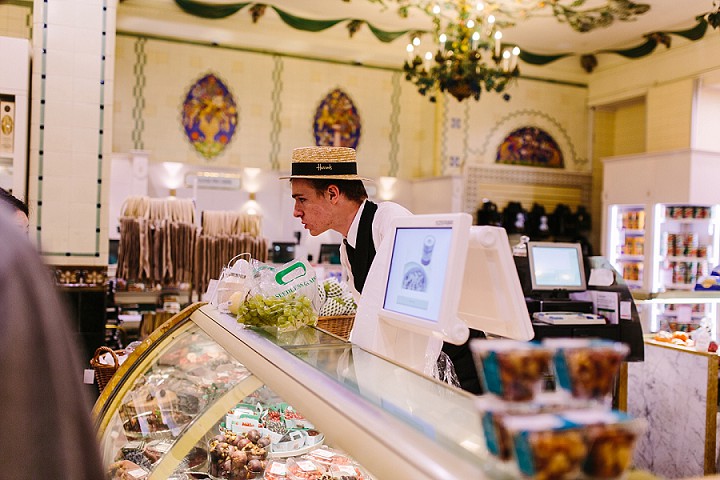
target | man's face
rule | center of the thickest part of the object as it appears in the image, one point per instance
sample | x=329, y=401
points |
x=313, y=209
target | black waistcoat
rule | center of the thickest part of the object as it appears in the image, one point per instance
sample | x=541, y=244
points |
x=361, y=257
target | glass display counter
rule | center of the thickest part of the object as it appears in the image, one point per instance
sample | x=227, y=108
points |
x=166, y=406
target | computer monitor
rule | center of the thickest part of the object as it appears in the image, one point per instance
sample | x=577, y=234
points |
x=329, y=253
x=556, y=266
x=444, y=276
x=283, y=252
x=424, y=272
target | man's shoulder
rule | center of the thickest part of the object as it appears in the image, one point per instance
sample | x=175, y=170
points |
x=392, y=209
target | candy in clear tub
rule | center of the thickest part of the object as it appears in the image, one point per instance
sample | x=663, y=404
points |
x=546, y=446
x=511, y=369
x=611, y=437
x=586, y=367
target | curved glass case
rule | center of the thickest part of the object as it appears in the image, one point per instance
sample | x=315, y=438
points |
x=202, y=373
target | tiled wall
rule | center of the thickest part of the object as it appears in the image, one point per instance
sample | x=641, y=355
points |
x=15, y=21
x=471, y=131
x=71, y=124
x=669, y=118
x=277, y=98
x=630, y=128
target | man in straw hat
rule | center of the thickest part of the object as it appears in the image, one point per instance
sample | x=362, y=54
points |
x=330, y=195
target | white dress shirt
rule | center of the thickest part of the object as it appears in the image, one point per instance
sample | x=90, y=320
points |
x=380, y=228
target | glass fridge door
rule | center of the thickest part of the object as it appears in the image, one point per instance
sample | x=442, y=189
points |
x=685, y=246
x=626, y=251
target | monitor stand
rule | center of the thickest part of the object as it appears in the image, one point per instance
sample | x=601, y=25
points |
x=418, y=351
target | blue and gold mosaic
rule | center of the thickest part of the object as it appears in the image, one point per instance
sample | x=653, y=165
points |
x=337, y=122
x=530, y=146
x=209, y=116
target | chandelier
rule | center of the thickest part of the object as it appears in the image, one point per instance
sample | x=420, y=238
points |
x=466, y=54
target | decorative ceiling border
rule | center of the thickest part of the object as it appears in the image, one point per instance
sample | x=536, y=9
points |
x=588, y=60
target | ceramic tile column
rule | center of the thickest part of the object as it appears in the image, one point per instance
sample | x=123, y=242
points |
x=70, y=134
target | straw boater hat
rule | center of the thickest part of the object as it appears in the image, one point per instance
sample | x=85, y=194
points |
x=335, y=163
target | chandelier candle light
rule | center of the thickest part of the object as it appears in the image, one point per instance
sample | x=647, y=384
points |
x=468, y=56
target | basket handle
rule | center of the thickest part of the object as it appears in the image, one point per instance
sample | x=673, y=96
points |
x=102, y=350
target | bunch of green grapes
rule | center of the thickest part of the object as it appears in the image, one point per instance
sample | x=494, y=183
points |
x=291, y=311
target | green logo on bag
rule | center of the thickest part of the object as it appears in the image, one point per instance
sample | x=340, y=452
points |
x=297, y=268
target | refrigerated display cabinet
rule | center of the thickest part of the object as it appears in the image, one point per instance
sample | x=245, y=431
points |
x=661, y=251
x=661, y=231
x=176, y=389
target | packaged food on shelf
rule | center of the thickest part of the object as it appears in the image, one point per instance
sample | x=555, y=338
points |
x=347, y=472
x=327, y=456
x=275, y=470
x=586, y=367
x=546, y=446
x=304, y=469
x=511, y=369
x=611, y=438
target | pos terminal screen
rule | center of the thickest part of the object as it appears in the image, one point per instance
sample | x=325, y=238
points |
x=418, y=269
x=556, y=266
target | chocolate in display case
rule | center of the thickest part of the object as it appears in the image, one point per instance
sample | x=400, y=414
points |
x=207, y=397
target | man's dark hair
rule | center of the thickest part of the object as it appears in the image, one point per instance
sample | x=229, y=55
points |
x=352, y=189
x=16, y=203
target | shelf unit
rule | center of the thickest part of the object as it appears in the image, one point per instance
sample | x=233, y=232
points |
x=675, y=241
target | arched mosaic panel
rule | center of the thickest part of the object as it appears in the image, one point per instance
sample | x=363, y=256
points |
x=530, y=146
x=336, y=121
x=209, y=116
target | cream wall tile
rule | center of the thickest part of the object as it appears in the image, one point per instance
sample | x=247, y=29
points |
x=86, y=115
x=85, y=140
x=59, y=37
x=88, y=41
x=62, y=13
x=86, y=89
x=60, y=62
x=669, y=114
x=58, y=138
x=88, y=16
x=56, y=164
x=55, y=240
x=82, y=240
x=58, y=86
x=57, y=111
x=87, y=64
x=630, y=129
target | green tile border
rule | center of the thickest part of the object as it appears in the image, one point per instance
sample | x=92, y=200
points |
x=395, y=124
x=139, y=94
x=275, y=112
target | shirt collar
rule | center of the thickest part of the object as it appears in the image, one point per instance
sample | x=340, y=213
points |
x=353, y=231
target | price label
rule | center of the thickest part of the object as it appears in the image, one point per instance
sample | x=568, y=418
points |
x=306, y=466
x=278, y=469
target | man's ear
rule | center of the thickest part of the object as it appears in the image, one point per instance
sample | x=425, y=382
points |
x=333, y=193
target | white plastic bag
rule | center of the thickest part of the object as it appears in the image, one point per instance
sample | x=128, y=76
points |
x=233, y=283
x=285, y=297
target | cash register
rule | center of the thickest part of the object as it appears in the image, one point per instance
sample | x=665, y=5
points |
x=555, y=270
x=550, y=273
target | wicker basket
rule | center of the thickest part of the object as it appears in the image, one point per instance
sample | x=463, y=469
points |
x=104, y=372
x=339, y=325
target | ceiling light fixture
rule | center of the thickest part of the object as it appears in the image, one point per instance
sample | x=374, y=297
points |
x=467, y=54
